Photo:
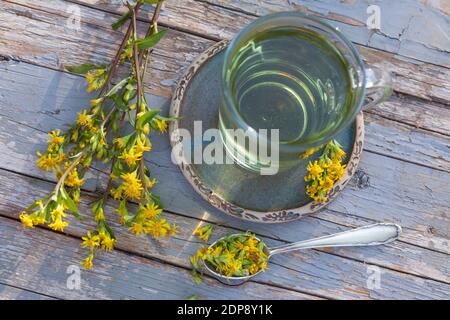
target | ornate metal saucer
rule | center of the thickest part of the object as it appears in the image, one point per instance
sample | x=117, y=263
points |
x=230, y=188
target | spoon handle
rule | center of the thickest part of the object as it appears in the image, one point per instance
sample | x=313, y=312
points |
x=371, y=235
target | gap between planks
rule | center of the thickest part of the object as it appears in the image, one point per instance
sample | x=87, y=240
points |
x=15, y=293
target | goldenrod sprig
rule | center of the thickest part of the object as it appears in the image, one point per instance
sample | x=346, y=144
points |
x=325, y=172
x=97, y=133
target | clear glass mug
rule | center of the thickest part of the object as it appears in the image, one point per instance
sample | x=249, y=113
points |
x=311, y=84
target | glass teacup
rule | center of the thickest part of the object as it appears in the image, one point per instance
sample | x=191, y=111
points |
x=291, y=82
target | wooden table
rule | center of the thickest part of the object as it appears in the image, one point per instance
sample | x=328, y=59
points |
x=404, y=175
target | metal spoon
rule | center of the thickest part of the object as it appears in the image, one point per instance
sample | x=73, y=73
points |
x=371, y=235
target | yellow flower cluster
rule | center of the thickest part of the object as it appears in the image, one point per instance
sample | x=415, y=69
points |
x=147, y=221
x=131, y=187
x=100, y=239
x=85, y=119
x=96, y=79
x=38, y=217
x=54, y=155
x=49, y=160
x=72, y=179
x=55, y=140
x=325, y=172
x=131, y=157
x=35, y=219
x=57, y=217
x=161, y=125
x=233, y=256
x=204, y=233
x=87, y=263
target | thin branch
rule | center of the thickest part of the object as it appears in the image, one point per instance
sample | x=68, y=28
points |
x=137, y=66
x=115, y=62
x=153, y=22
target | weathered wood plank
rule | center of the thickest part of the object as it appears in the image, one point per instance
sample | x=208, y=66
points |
x=433, y=117
x=334, y=276
x=424, y=239
x=411, y=77
x=55, y=110
x=13, y=293
x=43, y=37
x=410, y=28
x=406, y=143
x=38, y=260
x=56, y=44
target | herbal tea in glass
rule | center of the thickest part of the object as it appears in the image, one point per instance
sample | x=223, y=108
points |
x=291, y=72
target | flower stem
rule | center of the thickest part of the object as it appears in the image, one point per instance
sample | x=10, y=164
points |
x=115, y=62
x=137, y=60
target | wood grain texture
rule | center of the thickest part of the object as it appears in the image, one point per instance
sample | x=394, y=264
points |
x=325, y=273
x=382, y=185
x=415, y=29
x=412, y=77
x=38, y=260
x=56, y=45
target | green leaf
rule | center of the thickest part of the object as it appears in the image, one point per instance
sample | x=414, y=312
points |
x=129, y=219
x=156, y=199
x=84, y=68
x=33, y=206
x=97, y=205
x=146, y=118
x=122, y=208
x=47, y=211
x=118, y=101
x=111, y=233
x=196, y=276
x=70, y=204
x=151, y=40
x=130, y=86
x=94, y=141
x=117, y=169
x=193, y=297
x=117, y=87
x=120, y=22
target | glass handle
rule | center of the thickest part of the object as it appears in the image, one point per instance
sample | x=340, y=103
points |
x=378, y=86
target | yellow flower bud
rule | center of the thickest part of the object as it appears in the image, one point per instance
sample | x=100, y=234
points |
x=146, y=129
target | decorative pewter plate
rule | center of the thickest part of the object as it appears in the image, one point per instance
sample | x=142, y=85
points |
x=230, y=188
